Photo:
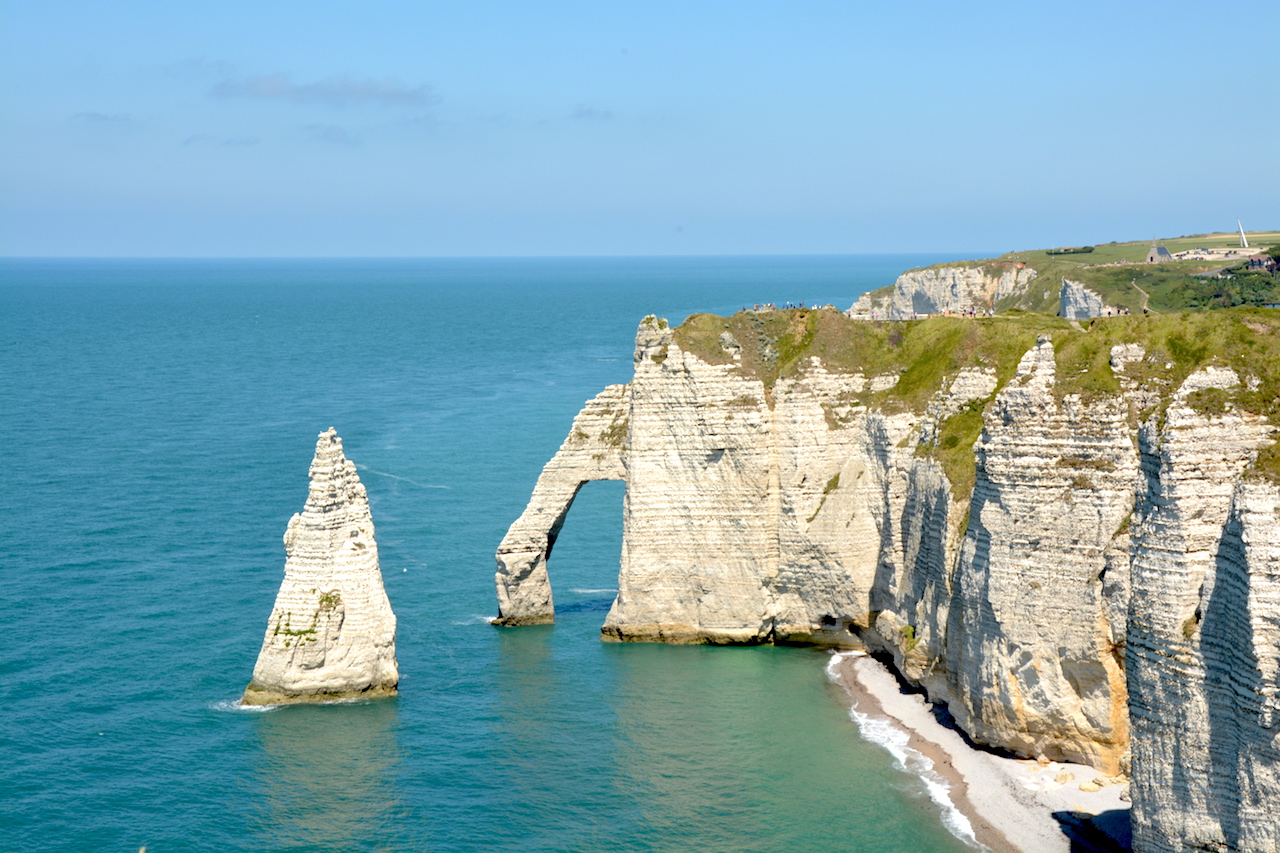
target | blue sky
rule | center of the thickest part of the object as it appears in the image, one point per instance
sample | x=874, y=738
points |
x=618, y=128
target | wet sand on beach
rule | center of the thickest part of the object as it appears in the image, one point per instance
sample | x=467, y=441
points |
x=1013, y=805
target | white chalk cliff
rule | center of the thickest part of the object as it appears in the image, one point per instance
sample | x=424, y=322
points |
x=331, y=634
x=810, y=510
x=1204, y=634
x=1077, y=302
x=935, y=290
x=1057, y=538
x=593, y=451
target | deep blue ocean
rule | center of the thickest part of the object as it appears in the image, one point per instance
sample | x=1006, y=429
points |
x=158, y=418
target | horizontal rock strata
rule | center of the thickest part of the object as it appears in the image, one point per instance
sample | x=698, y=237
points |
x=1051, y=535
x=1204, y=634
x=331, y=634
x=1037, y=662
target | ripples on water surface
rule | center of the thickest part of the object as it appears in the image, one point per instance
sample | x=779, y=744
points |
x=159, y=418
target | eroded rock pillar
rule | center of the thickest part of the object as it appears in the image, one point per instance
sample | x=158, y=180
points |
x=331, y=634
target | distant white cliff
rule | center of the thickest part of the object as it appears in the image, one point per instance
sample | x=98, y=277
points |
x=1077, y=302
x=937, y=290
x=331, y=634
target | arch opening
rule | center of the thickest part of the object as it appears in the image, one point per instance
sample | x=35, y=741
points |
x=584, y=570
x=592, y=452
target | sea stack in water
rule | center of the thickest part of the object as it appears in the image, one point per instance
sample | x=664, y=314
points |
x=332, y=634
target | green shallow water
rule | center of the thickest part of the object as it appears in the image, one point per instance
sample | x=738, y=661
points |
x=159, y=418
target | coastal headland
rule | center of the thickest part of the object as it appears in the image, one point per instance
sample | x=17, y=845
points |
x=1061, y=527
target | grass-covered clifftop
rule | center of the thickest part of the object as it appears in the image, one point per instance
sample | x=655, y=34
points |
x=926, y=354
x=1117, y=272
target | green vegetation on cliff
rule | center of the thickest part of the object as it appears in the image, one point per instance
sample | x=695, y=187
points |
x=780, y=343
x=925, y=355
x=1118, y=273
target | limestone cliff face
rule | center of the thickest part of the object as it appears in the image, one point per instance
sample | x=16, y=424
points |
x=1052, y=533
x=331, y=634
x=1204, y=633
x=752, y=514
x=805, y=511
x=939, y=289
x=1077, y=302
x=1038, y=665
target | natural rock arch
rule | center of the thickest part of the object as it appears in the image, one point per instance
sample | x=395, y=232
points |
x=593, y=451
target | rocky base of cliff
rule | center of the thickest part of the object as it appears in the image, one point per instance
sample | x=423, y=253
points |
x=1005, y=804
x=523, y=621
x=260, y=695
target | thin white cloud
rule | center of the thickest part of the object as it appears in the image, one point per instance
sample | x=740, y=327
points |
x=332, y=133
x=584, y=112
x=101, y=118
x=220, y=141
x=333, y=91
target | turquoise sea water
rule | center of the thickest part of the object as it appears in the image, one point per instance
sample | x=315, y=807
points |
x=158, y=419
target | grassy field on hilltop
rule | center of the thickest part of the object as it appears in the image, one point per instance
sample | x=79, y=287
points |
x=1117, y=272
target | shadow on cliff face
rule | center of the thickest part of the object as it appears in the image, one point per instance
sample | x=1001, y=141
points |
x=923, y=545
x=1108, y=832
x=939, y=711
x=1231, y=672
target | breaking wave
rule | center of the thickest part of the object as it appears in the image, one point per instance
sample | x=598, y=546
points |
x=233, y=706
x=882, y=732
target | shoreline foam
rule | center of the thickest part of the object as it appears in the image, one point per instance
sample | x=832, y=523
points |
x=878, y=728
x=1008, y=805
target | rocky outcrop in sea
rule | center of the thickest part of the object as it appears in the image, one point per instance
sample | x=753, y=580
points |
x=331, y=634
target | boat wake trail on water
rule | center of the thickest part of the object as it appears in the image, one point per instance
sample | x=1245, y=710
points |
x=398, y=477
